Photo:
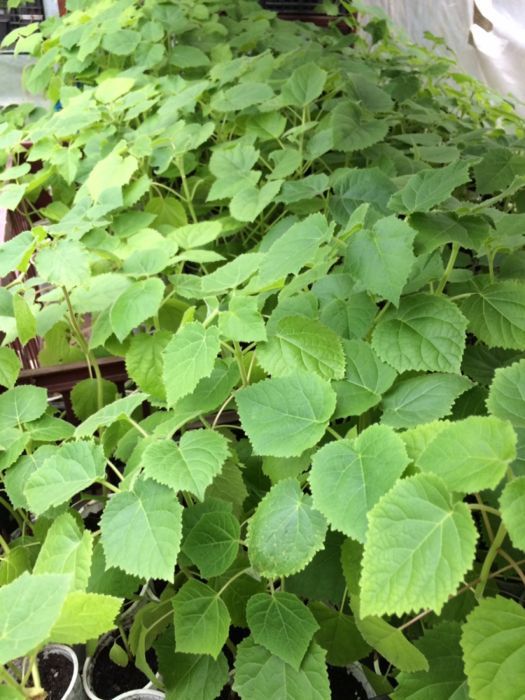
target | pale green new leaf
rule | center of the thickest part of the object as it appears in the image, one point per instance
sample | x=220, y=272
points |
x=66, y=550
x=22, y=404
x=85, y=616
x=426, y=333
x=366, y=380
x=381, y=258
x=10, y=367
x=445, y=678
x=241, y=96
x=196, y=235
x=418, y=438
x=390, y=642
x=282, y=624
x=135, y=305
x=189, y=466
x=113, y=88
x=25, y=319
x=11, y=195
x=297, y=343
x=496, y=314
x=188, y=357
x=72, y=468
x=65, y=264
x=512, y=505
x=284, y=416
x=248, y=203
x=202, y=620
x=144, y=362
x=242, y=321
x=285, y=531
x=259, y=675
x=109, y=414
x=422, y=399
x=113, y=171
x=29, y=607
x=213, y=543
x=142, y=531
x=507, y=394
x=493, y=643
x=348, y=477
x=471, y=455
x=232, y=274
x=420, y=544
x=304, y=85
x=429, y=188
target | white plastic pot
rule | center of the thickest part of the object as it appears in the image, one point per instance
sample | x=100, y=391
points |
x=74, y=690
x=357, y=672
x=141, y=695
x=87, y=672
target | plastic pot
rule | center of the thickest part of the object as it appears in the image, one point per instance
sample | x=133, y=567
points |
x=89, y=665
x=140, y=695
x=74, y=690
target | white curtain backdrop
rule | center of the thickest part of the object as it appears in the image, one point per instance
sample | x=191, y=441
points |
x=487, y=36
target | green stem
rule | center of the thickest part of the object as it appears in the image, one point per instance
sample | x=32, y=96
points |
x=108, y=485
x=334, y=433
x=35, y=675
x=491, y=257
x=7, y=677
x=187, y=195
x=114, y=469
x=4, y=545
x=483, y=507
x=448, y=270
x=240, y=363
x=12, y=512
x=237, y=575
x=489, y=560
x=137, y=426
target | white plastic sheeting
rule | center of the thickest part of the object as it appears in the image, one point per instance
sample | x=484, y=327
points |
x=487, y=36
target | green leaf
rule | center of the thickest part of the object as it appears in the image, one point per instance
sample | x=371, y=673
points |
x=285, y=531
x=366, y=379
x=111, y=89
x=146, y=261
x=85, y=396
x=241, y=96
x=108, y=580
x=231, y=274
x=50, y=429
x=121, y=42
x=10, y=367
x=445, y=679
x=195, y=677
x=496, y=314
x=189, y=466
x=304, y=85
x=294, y=249
x=284, y=416
x=242, y=321
x=259, y=675
x=29, y=607
x=151, y=510
x=11, y=195
x=66, y=550
x=426, y=333
x=196, y=235
x=15, y=253
x=493, y=643
x=298, y=343
x=419, y=546
x=353, y=129
x=168, y=211
x=85, y=616
x=497, y=169
x=64, y=264
x=202, y=620
x=507, y=394
x=339, y=635
x=25, y=319
x=429, y=188
x=213, y=543
x=135, y=305
x=111, y=172
x=232, y=166
x=471, y=455
x=371, y=255
x=422, y=399
x=248, y=203
x=109, y=414
x=282, y=624
x=512, y=503
x=348, y=477
x=22, y=404
x=72, y=468
x=390, y=642
x=144, y=362
x=188, y=357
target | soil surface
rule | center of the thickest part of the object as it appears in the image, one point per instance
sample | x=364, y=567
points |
x=109, y=680
x=56, y=672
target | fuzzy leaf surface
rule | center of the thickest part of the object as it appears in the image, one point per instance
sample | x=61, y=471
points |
x=135, y=305
x=512, y=505
x=85, y=616
x=496, y=314
x=202, y=620
x=419, y=546
x=428, y=188
x=507, y=394
x=213, y=542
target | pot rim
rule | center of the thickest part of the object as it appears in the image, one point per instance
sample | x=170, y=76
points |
x=70, y=653
x=147, y=691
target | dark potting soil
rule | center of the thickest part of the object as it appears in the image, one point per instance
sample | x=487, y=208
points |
x=109, y=679
x=344, y=686
x=56, y=672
